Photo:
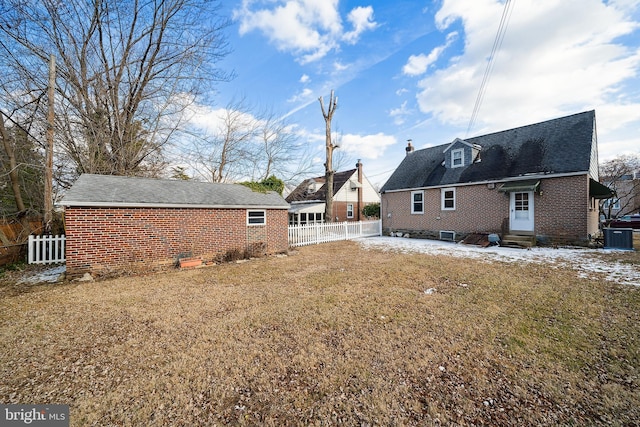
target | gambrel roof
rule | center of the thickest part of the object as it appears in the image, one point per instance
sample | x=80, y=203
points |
x=564, y=145
x=121, y=191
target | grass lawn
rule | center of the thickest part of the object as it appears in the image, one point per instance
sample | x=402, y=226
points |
x=332, y=334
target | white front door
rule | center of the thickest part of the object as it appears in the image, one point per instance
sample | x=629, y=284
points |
x=521, y=215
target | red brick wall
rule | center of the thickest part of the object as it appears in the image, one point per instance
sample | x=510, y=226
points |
x=103, y=241
x=562, y=212
x=340, y=211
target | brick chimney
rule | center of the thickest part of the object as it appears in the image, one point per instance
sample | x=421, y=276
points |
x=360, y=205
x=409, y=148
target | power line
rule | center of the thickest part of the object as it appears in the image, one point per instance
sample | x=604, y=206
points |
x=497, y=44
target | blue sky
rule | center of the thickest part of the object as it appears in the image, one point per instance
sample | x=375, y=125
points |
x=412, y=70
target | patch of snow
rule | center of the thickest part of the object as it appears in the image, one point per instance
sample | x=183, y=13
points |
x=49, y=275
x=588, y=262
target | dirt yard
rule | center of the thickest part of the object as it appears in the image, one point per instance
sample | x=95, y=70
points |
x=331, y=334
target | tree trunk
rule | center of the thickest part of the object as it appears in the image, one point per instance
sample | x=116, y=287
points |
x=329, y=172
x=13, y=167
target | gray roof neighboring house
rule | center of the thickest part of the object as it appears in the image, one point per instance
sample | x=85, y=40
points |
x=120, y=191
x=561, y=146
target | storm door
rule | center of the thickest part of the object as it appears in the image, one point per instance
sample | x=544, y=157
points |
x=521, y=215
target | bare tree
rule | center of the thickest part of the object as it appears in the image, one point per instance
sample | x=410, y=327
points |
x=621, y=174
x=21, y=161
x=329, y=172
x=238, y=144
x=224, y=151
x=278, y=149
x=126, y=72
x=8, y=145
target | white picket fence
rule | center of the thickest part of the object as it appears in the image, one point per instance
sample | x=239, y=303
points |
x=51, y=249
x=300, y=235
x=46, y=249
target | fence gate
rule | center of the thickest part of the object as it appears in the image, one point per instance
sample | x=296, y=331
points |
x=46, y=249
x=311, y=234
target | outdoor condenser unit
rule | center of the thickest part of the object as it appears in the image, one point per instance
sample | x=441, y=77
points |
x=618, y=238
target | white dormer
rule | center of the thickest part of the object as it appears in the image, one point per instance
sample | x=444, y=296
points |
x=460, y=153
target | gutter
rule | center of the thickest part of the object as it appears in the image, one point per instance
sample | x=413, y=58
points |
x=162, y=205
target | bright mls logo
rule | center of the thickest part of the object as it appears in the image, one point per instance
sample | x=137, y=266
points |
x=34, y=415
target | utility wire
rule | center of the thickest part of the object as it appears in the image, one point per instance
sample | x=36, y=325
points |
x=497, y=44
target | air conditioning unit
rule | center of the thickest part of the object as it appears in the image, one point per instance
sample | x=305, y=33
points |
x=618, y=238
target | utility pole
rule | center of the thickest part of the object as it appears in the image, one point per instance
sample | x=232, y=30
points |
x=328, y=167
x=48, y=168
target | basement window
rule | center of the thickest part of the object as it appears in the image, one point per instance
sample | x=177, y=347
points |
x=256, y=217
x=448, y=235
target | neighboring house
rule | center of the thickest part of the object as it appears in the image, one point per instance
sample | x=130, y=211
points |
x=117, y=224
x=539, y=181
x=352, y=191
x=627, y=198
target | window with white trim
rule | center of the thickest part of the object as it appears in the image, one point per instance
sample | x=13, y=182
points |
x=257, y=217
x=417, y=202
x=448, y=196
x=350, y=210
x=457, y=158
x=613, y=203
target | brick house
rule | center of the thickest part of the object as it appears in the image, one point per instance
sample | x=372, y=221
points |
x=352, y=191
x=120, y=224
x=538, y=181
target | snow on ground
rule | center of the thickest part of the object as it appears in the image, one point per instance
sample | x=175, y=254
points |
x=46, y=275
x=588, y=262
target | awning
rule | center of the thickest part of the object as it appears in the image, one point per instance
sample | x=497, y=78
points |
x=599, y=191
x=520, y=186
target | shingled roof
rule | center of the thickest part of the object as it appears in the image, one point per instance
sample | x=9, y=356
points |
x=300, y=194
x=120, y=191
x=559, y=146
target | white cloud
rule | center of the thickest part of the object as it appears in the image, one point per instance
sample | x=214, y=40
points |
x=305, y=78
x=366, y=146
x=399, y=114
x=418, y=64
x=558, y=57
x=362, y=20
x=307, y=28
x=212, y=120
x=338, y=66
x=302, y=96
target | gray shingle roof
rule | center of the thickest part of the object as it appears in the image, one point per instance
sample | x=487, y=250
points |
x=300, y=193
x=108, y=190
x=557, y=146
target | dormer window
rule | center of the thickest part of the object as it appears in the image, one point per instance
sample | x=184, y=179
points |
x=457, y=158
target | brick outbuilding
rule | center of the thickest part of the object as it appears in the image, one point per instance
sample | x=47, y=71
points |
x=118, y=225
